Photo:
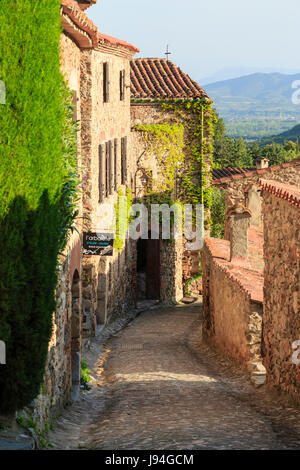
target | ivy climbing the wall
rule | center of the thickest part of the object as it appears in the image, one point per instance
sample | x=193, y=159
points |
x=122, y=218
x=166, y=142
x=198, y=119
x=38, y=190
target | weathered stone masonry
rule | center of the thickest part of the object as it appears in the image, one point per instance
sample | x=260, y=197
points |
x=238, y=181
x=232, y=302
x=154, y=81
x=281, y=319
x=83, y=286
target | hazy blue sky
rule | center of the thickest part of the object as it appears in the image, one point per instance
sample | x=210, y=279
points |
x=206, y=36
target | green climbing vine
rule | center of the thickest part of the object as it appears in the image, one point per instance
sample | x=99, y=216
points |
x=166, y=142
x=198, y=119
x=122, y=219
x=183, y=146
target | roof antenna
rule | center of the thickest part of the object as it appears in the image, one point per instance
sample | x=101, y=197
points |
x=167, y=53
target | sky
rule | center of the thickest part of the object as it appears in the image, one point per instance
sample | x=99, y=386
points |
x=207, y=36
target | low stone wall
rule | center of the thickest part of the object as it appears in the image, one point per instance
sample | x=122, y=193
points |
x=231, y=319
x=281, y=319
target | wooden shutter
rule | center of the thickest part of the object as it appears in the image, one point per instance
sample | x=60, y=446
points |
x=122, y=161
x=100, y=180
x=106, y=82
x=125, y=159
x=110, y=170
x=106, y=169
x=122, y=85
x=115, y=164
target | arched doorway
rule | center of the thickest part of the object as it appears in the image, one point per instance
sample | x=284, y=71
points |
x=76, y=337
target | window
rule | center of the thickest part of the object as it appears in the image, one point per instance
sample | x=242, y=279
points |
x=115, y=164
x=123, y=160
x=106, y=82
x=106, y=169
x=110, y=168
x=100, y=178
x=122, y=85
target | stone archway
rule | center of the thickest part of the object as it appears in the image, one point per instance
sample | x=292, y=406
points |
x=75, y=336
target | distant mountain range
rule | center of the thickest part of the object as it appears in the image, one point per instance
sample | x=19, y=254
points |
x=228, y=73
x=256, y=105
x=292, y=134
x=259, y=87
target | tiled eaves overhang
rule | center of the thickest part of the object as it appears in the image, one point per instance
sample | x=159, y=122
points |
x=287, y=192
x=85, y=33
x=78, y=25
x=225, y=175
x=155, y=79
x=109, y=43
x=86, y=4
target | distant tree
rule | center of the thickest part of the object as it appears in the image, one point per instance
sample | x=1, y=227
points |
x=236, y=153
x=217, y=213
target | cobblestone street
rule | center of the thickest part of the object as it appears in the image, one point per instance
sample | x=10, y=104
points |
x=156, y=386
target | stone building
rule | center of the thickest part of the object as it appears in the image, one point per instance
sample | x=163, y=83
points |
x=233, y=291
x=250, y=279
x=96, y=68
x=95, y=290
x=108, y=280
x=281, y=320
x=161, y=94
x=237, y=184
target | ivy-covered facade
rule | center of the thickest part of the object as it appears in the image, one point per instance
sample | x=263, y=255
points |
x=172, y=129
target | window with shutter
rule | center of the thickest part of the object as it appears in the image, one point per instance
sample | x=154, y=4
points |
x=115, y=164
x=106, y=169
x=100, y=180
x=110, y=169
x=122, y=85
x=106, y=82
x=124, y=160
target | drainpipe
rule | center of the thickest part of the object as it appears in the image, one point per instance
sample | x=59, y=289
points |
x=201, y=180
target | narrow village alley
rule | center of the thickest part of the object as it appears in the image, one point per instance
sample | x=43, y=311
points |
x=156, y=386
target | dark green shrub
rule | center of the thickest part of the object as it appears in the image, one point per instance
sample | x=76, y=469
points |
x=37, y=188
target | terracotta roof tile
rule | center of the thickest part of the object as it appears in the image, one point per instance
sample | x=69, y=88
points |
x=116, y=42
x=79, y=19
x=223, y=175
x=154, y=78
x=287, y=192
x=246, y=273
x=84, y=4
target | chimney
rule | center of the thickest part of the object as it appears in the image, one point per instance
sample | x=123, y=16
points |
x=239, y=221
x=262, y=163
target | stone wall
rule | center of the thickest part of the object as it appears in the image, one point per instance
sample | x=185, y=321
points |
x=231, y=318
x=148, y=114
x=57, y=386
x=171, y=271
x=111, y=292
x=236, y=191
x=281, y=320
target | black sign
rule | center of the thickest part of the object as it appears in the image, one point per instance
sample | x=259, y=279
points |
x=100, y=244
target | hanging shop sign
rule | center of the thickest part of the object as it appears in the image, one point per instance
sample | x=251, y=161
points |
x=95, y=243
